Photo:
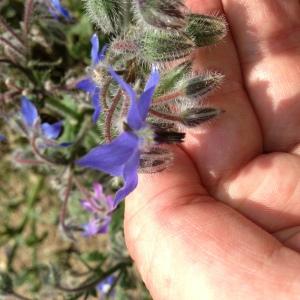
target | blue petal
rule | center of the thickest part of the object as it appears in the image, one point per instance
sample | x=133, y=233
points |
x=146, y=97
x=65, y=144
x=110, y=158
x=96, y=104
x=52, y=131
x=95, y=49
x=2, y=138
x=104, y=226
x=28, y=111
x=87, y=85
x=91, y=228
x=107, y=282
x=133, y=118
x=56, y=4
x=130, y=178
x=102, y=53
x=153, y=79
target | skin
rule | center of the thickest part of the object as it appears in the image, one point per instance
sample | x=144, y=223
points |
x=224, y=221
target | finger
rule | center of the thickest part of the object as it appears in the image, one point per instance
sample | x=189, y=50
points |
x=219, y=148
x=290, y=237
x=189, y=246
x=266, y=191
x=267, y=36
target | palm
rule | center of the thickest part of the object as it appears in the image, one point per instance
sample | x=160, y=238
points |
x=248, y=159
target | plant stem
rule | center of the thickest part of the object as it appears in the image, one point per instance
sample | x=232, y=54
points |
x=11, y=46
x=10, y=30
x=164, y=116
x=93, y=283
x=167, y=98
x=27, y=17
x=109, y=117
x=64, y=209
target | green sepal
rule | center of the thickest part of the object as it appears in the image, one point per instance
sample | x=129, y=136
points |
x=108, y=15
x=205, y=30
x=163, y=46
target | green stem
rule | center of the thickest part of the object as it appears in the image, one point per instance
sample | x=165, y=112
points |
x=93, y=283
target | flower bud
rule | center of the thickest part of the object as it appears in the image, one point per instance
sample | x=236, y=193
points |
x=205, y=30
x=169, y=137
x=195, y=116
x=106, y=14
x=155, y=160
x=161, y=14
x=124, y=46
x=201, y=85
x=170, y=79
x=160, y=46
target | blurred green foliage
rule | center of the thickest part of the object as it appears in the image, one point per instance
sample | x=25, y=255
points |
x=39, y=260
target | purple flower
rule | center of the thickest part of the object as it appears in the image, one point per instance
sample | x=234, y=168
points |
x=100, y=206
x=105, y=286
x=88, y=84
x=121, y=157
x=2, y=138
x=56, y=10
x=31, y=120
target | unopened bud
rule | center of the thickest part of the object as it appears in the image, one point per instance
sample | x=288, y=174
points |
x=169, y=137
x=161, y=14
x=155, y=160
x=160, y=46
x=205, y=30
x=195, y=116
x=106, y=14
x=201, y=85
x=124, y=46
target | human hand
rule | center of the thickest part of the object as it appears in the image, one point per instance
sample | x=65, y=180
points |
x=224, y=221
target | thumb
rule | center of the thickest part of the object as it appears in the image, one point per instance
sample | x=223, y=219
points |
x=187, y=245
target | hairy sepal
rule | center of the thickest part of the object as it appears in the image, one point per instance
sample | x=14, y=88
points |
x=106, y=14
x=205, y=30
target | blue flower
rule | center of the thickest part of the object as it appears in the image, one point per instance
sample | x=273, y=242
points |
x=56, y=10
x=31, y=120
x=105, y=286
x=2, y=138
x=88, y=84
x=100, y=206
x=121, y=157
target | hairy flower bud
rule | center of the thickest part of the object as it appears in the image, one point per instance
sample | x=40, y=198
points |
x=171, y=78
x=155, y=160
x=201, y=85
x=161, y=14
x=205, y=30
x=169, y=137
x=160, y=46
x=106, y=14
x=124, y=46
x=195, y=116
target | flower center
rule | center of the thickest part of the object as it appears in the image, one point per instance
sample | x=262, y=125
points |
x=146, y=138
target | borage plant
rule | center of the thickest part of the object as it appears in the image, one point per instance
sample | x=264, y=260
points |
x=136, y=123
x=144, y=96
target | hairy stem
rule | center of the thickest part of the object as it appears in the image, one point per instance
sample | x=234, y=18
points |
x=167, y=98
x=10, y=30
x=27, y=17
x=64, y=209
x=109, y=117
x=164, y=116
x=11, y=46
